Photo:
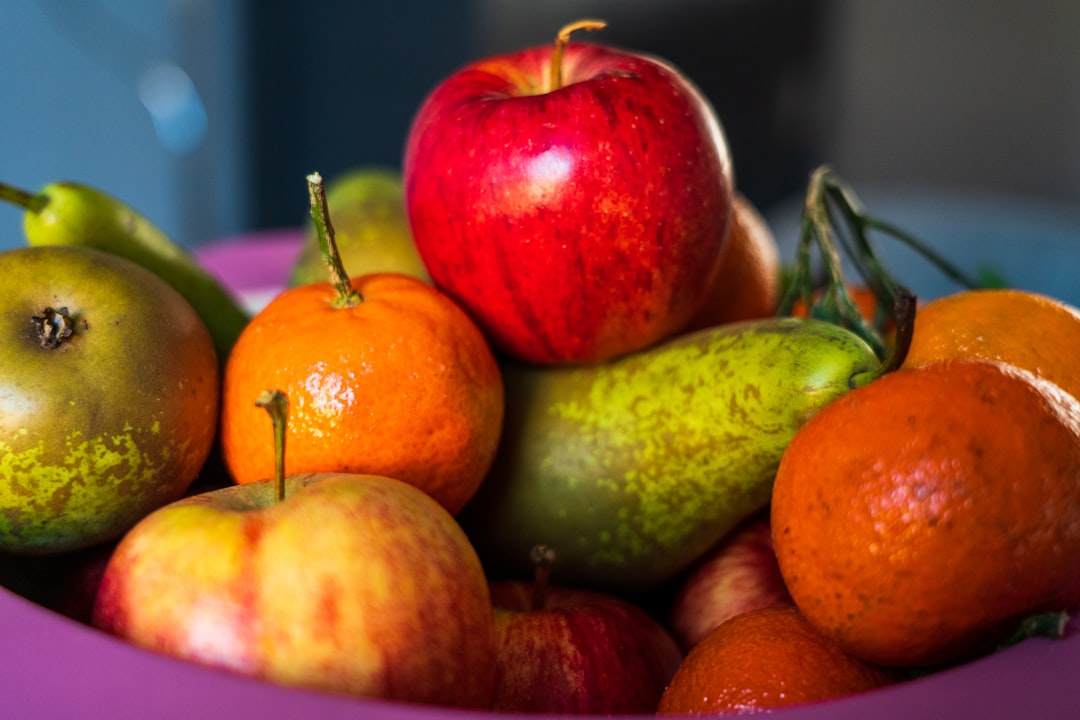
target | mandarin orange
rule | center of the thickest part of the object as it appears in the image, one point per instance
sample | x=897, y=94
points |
x=747, y=285
x=763, y=659
x=917, y=519
x=384, y=375
x=1038, y=333
x=400, y=384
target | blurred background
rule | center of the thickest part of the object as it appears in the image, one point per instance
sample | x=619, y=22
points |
x=206, y=114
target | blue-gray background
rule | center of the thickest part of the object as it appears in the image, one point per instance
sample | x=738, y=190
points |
x=975, y=96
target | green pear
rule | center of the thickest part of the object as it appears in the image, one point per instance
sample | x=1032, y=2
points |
x=371, y=228
x=634, y=468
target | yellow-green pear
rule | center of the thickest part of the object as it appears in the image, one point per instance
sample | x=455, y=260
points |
x=371, y=228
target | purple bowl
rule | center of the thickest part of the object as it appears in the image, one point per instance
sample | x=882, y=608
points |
x=54, y=667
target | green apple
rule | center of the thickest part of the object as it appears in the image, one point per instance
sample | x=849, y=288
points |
x=370, y=225
x=355, y=584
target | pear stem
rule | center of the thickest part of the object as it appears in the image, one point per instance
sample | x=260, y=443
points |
x=277, y=407
x=555, y=79
x=905, y=304
x=542, y=558
x=904, y=308
x=33, y=203
x=347, y=296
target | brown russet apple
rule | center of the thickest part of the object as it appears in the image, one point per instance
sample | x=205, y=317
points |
x=109, y=394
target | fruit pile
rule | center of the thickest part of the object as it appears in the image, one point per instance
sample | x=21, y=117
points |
x=536, y=426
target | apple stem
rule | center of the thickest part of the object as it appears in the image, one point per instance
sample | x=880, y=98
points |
x=277, y=407
x=555, y=79
x=542, y=558
x=347, y=296
x=33, y=203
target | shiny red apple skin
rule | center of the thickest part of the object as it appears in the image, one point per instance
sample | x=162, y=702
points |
x=578, y=224
x=738, y=575
x=358, y=585
x=583, y=653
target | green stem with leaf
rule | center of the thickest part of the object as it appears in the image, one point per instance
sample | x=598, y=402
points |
x=834, y=222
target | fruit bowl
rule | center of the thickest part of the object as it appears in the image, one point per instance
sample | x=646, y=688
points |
x=53, y=666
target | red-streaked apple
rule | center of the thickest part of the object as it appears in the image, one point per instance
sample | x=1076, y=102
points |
x=353, y=584
x=575, y=199
x=738, y=575
x=569, y=651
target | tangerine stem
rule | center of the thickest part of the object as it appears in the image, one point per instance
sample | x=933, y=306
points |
x=30, y=201
x=347, y=296
x=933, y=256
x=861, y=221
x=542, y=558
x=866, y=263
x=276, y=405
x=1048, y=625
x=835, y=304
x=834, y=219
x=555, y=79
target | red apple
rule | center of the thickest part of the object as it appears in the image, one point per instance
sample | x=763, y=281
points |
x=575, y=200
x=353, y=584
x=74, y=578
x=738, y=575
x=568, y=651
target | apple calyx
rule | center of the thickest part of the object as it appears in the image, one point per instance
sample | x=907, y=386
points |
x=276, y=406
x=555, y=80
x=347, y=296
x=53, y=327
x=542, y=558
